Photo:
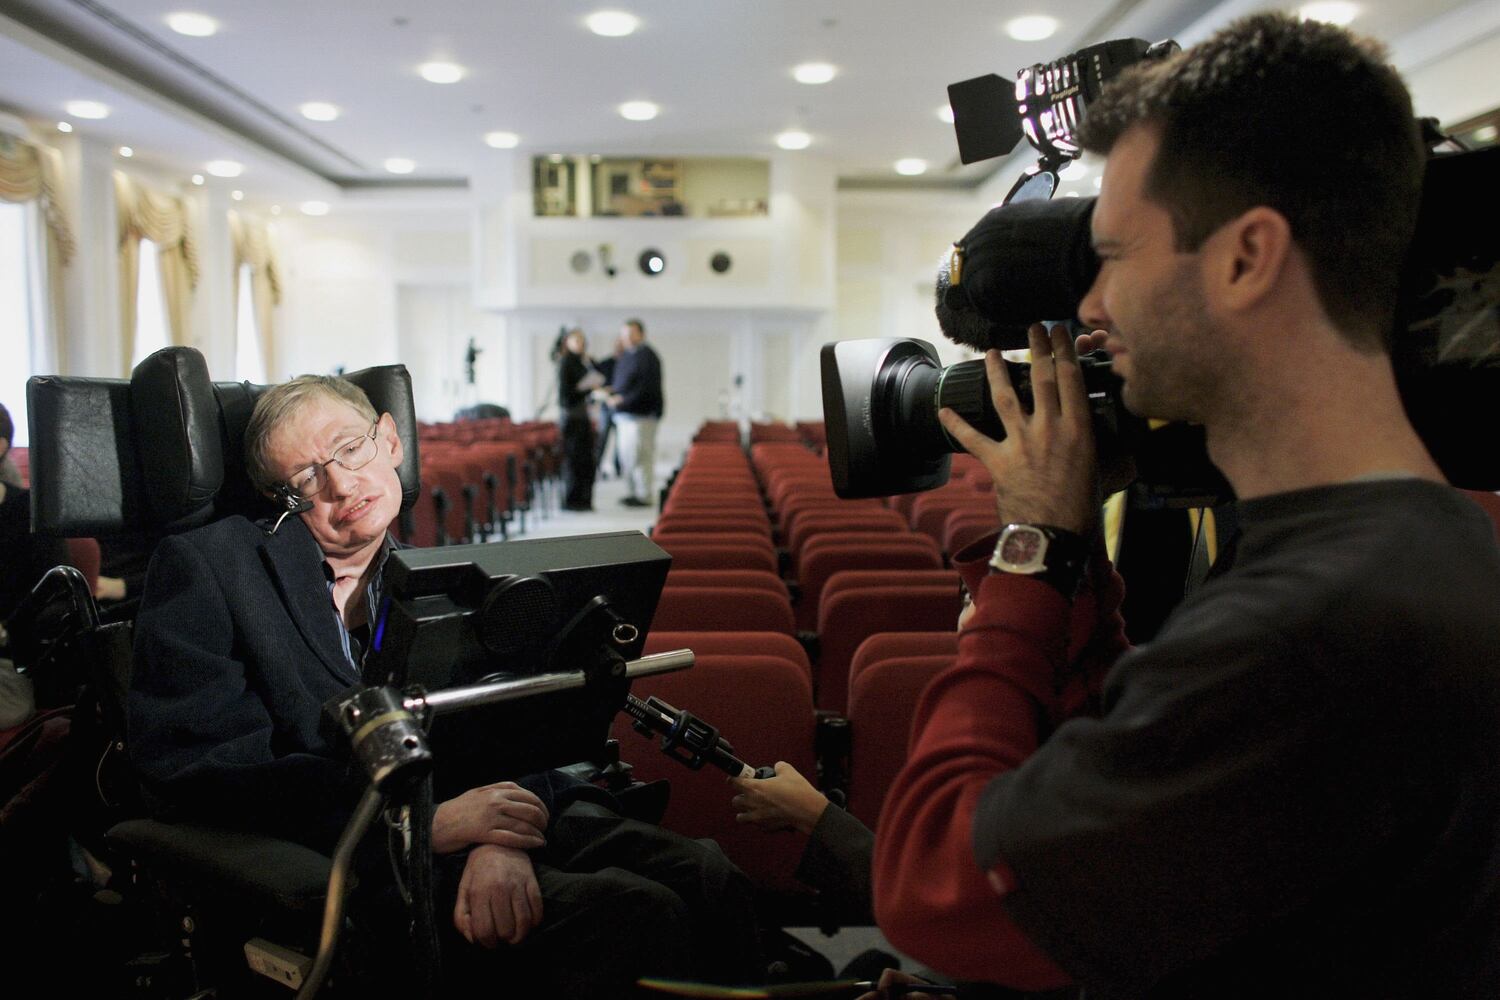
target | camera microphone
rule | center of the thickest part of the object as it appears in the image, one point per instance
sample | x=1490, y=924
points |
x=1023, y=262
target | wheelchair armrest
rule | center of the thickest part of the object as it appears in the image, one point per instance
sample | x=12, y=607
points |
x=229, y=863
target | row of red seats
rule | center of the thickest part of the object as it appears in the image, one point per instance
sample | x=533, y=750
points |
x=805, y=611
x=480, y=480
x=810, y=433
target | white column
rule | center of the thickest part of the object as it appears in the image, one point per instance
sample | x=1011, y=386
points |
x=90, y=338
x=214, y=323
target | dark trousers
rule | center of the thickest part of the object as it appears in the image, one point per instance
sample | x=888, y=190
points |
x=578, y=460
x=623, y=899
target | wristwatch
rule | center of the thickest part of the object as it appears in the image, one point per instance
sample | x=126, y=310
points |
x=1054, y=555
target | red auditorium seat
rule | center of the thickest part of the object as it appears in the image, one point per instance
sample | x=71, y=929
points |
x=763, y=706
x=754, y=579
x=881, y=702
x=687, y=524
x=963, y=527
x=817, y=566
x=885, y=645
x=83, y=553
x=723, y=609
x=703, y=556
x=748, y=539
x=1489, y=501
x=930, y=514
x=849, y=616
x=756, y=643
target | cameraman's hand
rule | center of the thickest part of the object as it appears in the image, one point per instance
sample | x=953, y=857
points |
x=786, y=802
x=498, y=898
x=503, y=813
x=1044, y=470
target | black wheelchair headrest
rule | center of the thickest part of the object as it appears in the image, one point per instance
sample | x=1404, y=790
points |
x=164, y=450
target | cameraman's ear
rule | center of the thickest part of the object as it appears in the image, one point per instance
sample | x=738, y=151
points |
x=387, y=432
x=1248, y=257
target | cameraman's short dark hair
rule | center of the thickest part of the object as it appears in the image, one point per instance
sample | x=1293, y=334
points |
x=1302, y=117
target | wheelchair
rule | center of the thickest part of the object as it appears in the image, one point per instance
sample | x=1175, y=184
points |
x=230, y=913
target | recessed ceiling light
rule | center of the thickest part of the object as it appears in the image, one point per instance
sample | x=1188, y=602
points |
x=945, y=113
x=196, y=25
x=198, y=180
x=442, y=72
x=126, y=152
x=815, y=72
x=1486, y=133
x=64, y=127
x=399, y=165
x=639, y=111
x=1329, y=11
x=911, y=167
x=314, y=208
x=237, y=195
x=794, y=139
x=92, y=110
x=319, y=111
x=224, y=168
x=1032, y=28
x=502, y=140
x=612, y=23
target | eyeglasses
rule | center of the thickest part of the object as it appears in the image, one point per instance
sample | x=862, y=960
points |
x=352, y=455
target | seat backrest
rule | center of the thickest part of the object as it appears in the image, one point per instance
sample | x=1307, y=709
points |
x=887, y=645
x=881, y=702
x=755, y=579
x=851, y=616
x=725, y=609
x=817, y=566
x=764, y=643
x=763, y=706
x=705, y=556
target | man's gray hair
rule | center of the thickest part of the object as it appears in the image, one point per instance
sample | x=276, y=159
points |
x=278, y=404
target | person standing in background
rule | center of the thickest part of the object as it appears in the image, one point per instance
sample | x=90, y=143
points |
x=636, y=397
x=576, y=378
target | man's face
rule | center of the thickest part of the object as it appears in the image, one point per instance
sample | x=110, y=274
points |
x=1149, y=297
x=630, y=336
x=353, y=509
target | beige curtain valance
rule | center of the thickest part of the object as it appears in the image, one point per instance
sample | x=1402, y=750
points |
x=252, y=247
x=142, y=213
x=29, y=172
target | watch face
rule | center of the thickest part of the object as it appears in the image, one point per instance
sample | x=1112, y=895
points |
x=1022, y=549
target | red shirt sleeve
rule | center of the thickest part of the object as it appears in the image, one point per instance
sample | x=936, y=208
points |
x=1027, y=659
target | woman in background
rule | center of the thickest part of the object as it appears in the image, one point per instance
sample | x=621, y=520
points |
x=576, y=378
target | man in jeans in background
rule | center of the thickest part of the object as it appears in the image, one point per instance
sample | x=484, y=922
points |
x=636, y=398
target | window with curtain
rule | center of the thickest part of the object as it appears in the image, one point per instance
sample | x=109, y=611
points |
x=151, y=333
x=22, y=309
x=249, y=356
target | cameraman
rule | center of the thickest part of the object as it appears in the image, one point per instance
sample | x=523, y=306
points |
x=1293, y=790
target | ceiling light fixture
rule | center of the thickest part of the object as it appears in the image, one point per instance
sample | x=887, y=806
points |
x=319, y=111
x=92, y=110
x=237, y=195
x=1485, y=133
x=794, y=139
x=612, y=23
x=911, y=166
x=815, y=72
x=126, y=152
x=442, y=72
x=639, y=111
x=502, y=140
x=314, y=208
x=195, y=25
x=1338, y=12
x=945, y=113
x=224, y=168
x=64, y=127
x=399, y=165
x=1032, y=28
x=198, y=180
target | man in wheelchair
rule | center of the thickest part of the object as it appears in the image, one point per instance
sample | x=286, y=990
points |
x=247, y=628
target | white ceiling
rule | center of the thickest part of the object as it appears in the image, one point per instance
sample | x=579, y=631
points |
x=720, y=69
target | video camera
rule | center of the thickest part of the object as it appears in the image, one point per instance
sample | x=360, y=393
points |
x=1031, y=260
